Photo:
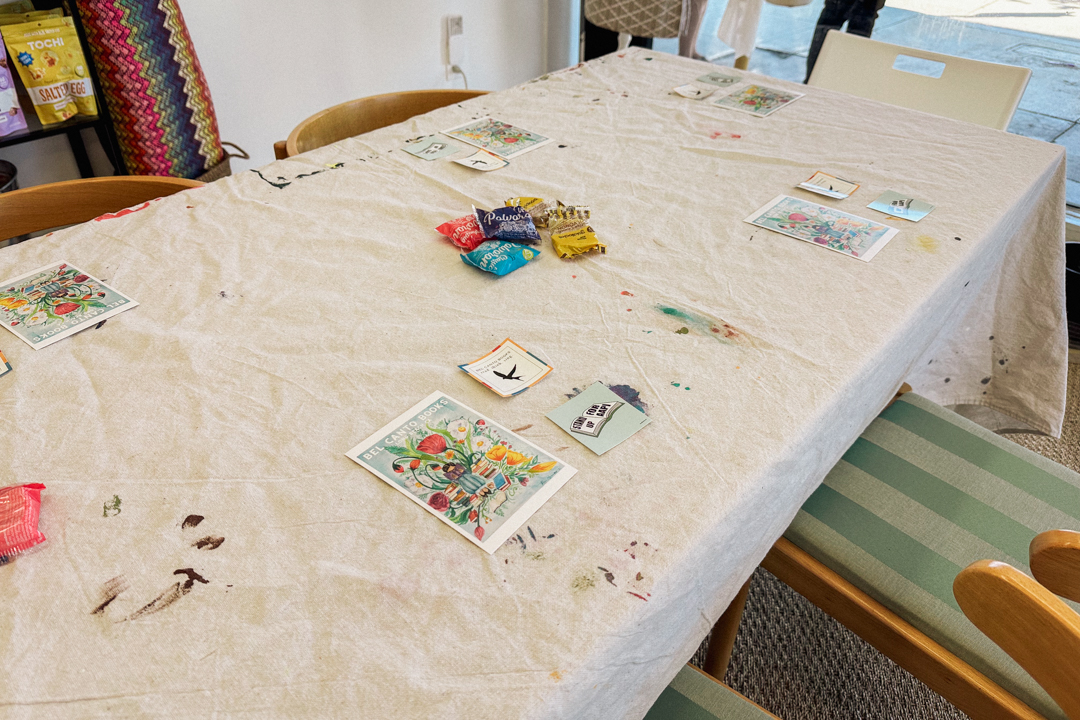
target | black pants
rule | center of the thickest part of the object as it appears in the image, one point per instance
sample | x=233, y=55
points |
x=599, y=41
x=859, y=15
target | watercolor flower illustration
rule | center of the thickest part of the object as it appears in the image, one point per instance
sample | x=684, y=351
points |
x=50, y=298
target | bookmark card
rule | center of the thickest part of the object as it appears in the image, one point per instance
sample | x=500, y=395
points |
x=718, y=79
x=497, y=137
x=694, y=92
x=848, y=234
x=56, y=301
x=901, y=206
x=5, y=366
x=757, y=100
x=598, y=418
x=507, y=370
x=482, y=160
x=829, y=186
x=431, y=147
x=470, y=472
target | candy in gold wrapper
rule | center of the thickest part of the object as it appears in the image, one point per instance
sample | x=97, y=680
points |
x=570, y=231
x=536, y=207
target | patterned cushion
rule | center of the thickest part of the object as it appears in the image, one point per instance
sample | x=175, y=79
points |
x=919, y=496
x=154, y=86
x=693, y=695
x=643, y=18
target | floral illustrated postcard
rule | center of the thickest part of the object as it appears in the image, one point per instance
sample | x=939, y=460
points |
x=497, y=137
x=473, y=474
x=757, y=100
x=901, y=206
x=829, y=185
x=848, y=234
x=694, y=92
x=5, y=366
x=482, y=160
x=508, y=369
x=598, y=418
x=431, y=147
x=57, y=301
x=718, y=79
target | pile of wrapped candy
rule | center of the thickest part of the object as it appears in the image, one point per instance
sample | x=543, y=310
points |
x=500, y=241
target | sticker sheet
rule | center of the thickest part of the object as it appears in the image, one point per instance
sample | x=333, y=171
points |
x=5, y=366
x=55, y=302
x=829, y=185
x=901, y=206
x=431, y=147
x=718, y=79
x=848, y=234
x=470, y=472
x=482, y=160
x=598, y=418
x=757, y=100
x=507, y=370
x=497, y=137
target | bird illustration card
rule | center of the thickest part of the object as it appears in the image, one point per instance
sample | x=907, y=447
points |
x=509, y=369
x=55, y=302
x=757, y=100
x=470, y=472
x=829, y=185
x=431, y=147
x=5, y=366
x=718, y=79
x=848, y=234
x=901, y=206
x=495, y=136
x=694, y=92
x=482, y=160
x=598, y=418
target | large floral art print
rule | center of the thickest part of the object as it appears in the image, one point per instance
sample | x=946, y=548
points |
x=498, y=137
x=55, y=302
x=825, y=226
x=473, y=474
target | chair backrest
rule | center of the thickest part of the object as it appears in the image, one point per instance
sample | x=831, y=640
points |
x=42, y=207
x=979, y=92
x=357, y=117
x=1030, y=623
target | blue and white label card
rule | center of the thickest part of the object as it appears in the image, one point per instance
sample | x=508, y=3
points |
x=893, y=203
x=598, y=418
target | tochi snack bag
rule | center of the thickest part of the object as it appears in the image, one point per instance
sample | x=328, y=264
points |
x=13, y=19
x=16, y=7
x=50, y=62
x=11, y=115
x=20, y=506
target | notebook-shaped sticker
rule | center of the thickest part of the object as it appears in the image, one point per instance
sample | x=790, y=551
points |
x=598, y=418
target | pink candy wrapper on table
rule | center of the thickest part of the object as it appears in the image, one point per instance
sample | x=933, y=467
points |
x=20, y=506
x=11, y=115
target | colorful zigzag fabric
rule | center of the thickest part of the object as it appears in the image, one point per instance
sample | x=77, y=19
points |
x=154, y=86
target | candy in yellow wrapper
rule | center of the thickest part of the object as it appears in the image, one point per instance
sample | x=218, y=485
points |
x=570, y=231
x=536, y=207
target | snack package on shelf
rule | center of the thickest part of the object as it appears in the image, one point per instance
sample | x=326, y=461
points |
x=50, y=61
x=14, y=7
x=11, y=115
x=21, y=18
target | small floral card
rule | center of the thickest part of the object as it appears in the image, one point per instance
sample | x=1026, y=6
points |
x=495, y=136
x=55, y=302
x=757, y=100
x=507, y=370
x=848, y=234
x=470, y=472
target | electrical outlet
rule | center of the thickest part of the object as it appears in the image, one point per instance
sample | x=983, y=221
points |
x=453, y=42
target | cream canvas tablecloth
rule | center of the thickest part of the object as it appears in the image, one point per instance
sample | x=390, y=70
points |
x=279, y=326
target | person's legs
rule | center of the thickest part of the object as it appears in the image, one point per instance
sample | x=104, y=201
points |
x=832, y=17
x=862, y=17
x=600, y=41
x=695, y=13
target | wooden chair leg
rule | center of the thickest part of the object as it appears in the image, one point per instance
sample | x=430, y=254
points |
x=949, y=676
x=723, y=635
x=280, y=151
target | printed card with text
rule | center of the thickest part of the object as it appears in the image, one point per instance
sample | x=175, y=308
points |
x=495, y=136
x=893, y=203
x=718, y=79
x=848, y=234
x=482, y=160
x=694, y=92
x=470, y=472
x=507, y=370
x=55, y=302
x=431, y=147
x=829, y=185
x=598, y=418
x=757, y=100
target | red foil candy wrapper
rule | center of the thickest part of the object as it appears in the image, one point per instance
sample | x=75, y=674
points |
x=463, y=232
x=20, y=506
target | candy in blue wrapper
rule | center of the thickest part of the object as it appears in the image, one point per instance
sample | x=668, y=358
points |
x=499, y=257
x=513, y=224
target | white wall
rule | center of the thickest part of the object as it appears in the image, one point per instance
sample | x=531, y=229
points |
x=272, y=63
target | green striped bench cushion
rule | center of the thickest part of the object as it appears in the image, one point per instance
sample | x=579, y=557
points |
x=919, y=496
x=693, y=695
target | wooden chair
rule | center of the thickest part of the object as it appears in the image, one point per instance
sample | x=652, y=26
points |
x=694, y=695
x=42, y=207
x=357, y=117
x=1026, y=619
x=922, y=494
x=979, y=92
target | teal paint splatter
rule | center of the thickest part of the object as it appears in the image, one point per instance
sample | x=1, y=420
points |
x=675, y=384
x=724, y=333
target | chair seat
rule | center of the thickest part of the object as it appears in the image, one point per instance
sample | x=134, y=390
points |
x=919, y=496
x=693, y=695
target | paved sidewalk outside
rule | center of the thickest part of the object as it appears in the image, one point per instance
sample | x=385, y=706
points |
x=1043, y=35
